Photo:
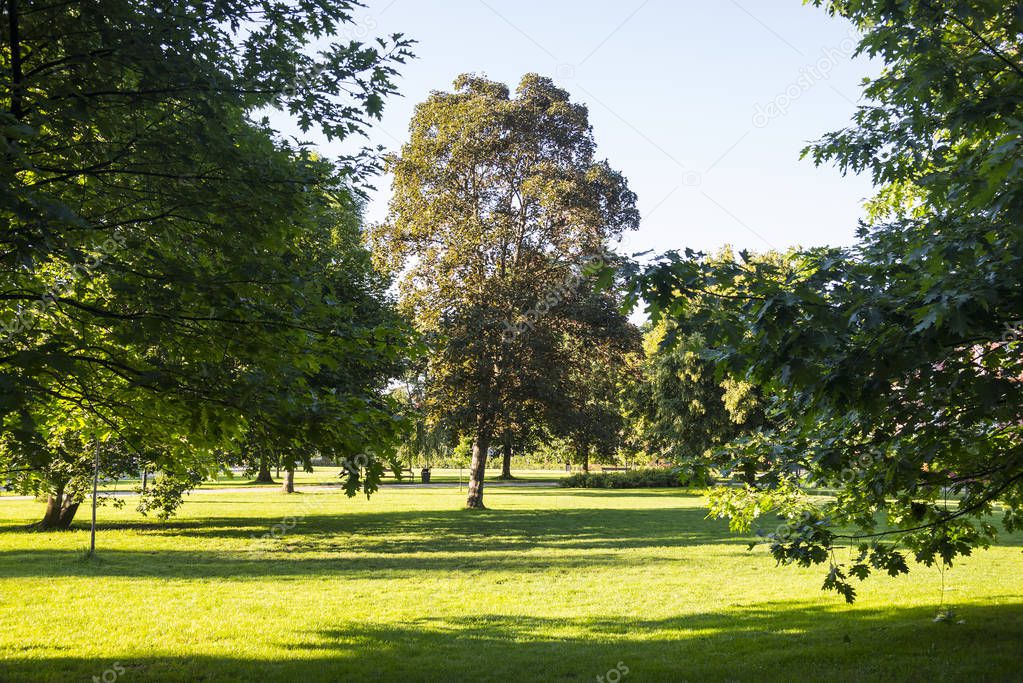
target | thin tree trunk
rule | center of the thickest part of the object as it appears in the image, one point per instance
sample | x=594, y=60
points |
x=481, y=444
x=506, y=464
x=145, y=478
x=95, y=491
x=289, y=480
x=584, y=457
x=477, y=470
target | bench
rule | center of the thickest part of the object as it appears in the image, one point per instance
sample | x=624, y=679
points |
x=401, y=475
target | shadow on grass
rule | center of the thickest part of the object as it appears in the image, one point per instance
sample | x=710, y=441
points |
x=258, y=565
x=329, y=542
x=771, y=642
x=390, y=541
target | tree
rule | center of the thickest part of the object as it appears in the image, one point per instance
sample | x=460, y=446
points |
x=893, y=367
x=680, y=407
x=71, y=472
x=497, y=202
x=591, y=378
x=333, y=400
x=535, y=393
x=429, y=439
x=263, y=475
x=148, y=219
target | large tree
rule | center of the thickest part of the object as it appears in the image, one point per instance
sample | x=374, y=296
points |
x=150, y=220
x=893, y=366
x=498, y=202
x=559, y=387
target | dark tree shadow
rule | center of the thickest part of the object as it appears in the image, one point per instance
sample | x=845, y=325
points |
x=394, y=541
x=772, y=642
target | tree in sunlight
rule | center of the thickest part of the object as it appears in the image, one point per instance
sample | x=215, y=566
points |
x=892, y=368
x=498, y=204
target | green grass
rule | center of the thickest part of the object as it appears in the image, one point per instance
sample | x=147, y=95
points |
x=548, y=585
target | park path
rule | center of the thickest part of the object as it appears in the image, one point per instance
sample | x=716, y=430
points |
x=313, y=488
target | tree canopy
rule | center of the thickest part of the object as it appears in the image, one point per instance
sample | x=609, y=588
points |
x=173, y=273
x=892, y=368
x=498, y=203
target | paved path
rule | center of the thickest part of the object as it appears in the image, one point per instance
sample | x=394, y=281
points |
x=320, y=487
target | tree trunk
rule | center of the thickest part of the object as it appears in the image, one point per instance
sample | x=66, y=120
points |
x=477, y=470
x=584, y=457
x=289, y=480
x=264, y=476
x=506, y=464
x=145, y=479
x=60, y=511
x=51, y=519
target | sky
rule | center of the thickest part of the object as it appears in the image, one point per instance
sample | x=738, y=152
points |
x=704, y=106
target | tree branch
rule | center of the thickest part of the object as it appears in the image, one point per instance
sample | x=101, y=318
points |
x=15, y=44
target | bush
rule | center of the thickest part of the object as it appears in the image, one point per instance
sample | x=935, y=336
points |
x=634, y=479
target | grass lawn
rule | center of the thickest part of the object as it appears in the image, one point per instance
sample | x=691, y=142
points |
x=548, y=585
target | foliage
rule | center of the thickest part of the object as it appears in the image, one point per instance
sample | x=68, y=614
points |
x=156, y=282
x=331, y=401
x=497, y=204
x=893, y=368
x=680, y=408
x=166, y=493
x=594, y=365
x=634, y=479
x=427, y=442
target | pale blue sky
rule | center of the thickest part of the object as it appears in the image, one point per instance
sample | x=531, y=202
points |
x=678, y=93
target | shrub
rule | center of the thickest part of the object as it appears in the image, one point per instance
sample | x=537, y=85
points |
x=634, y=479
